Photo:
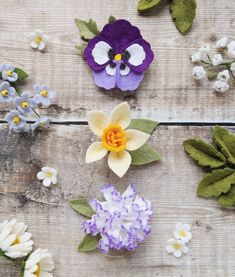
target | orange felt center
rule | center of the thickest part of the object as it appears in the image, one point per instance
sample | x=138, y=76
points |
x=114, y=138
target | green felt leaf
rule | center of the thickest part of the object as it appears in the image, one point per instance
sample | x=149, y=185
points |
x=89, y=243
x=211, y=75
x=228, y=199
x=226, y=142
x=21, y=73
x=183, y=12
x=81, y=48
x=1, y=253
x=88, y=29
x=204, y=153
x=217, y=182
x=81, y=206
x=146, y=5
x=144, y=155
x=112, y=19
x=144, y=125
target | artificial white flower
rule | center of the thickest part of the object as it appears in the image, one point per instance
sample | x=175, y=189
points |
x=39, y=264
x=223, y=75
x=48, y=175
x=232, y=66
x=114, y=138
x=196, y=57
x=231, y=48
x=182, y=232
x=198, y=72
x=38, y=40
x=222, y=43
x=217, y=59
x=205, y=48
x=15, y=241
x=221, y=86
x=176, y=247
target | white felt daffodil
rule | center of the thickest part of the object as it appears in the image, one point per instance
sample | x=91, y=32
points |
x=182, y=232
x=48, y=175
x=176, y=247
x=115, y=138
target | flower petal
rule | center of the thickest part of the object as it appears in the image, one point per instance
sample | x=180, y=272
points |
x=111, y=70
x=98, y=121
x=177, y=253
x=137, y=54
x=100, y=52
x=47, y=182
x=95, y=152
x=41, y=175
x=119, y=162
x=121, y=115
x=135, y=139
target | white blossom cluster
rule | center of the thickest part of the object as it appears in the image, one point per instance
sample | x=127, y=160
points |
x=219, y=66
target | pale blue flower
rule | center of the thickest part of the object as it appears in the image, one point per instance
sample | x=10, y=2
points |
x=42, y=121
x=43, y=95
x=24, y=103
x=16, y=121
x=7, y=92
x=8, y=73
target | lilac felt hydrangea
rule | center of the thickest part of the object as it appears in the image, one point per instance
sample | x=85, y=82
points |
x=122, y=220
x=119, y=56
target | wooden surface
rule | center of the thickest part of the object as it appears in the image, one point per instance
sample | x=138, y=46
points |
x=168, y=94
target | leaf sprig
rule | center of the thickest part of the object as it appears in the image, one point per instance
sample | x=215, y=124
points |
x=220, y=161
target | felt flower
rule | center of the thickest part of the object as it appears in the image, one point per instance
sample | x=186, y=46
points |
x=217, y=59
x=39, y=264
x=232, y=67
x=196, y=57
x=38, y=40
x=231, y=48
x=114, y=138
x=182, y=232
x=42, y=121
x=123, y=220
x=205, y=48
x=119, y=56
x=43, y=95
x=176, y=247
x=8, y=73
x=48, y=175
x=24, y=103
x=223, y=75
x=222, y=43
x=7, y=92
x=221, y=86
x=198, y=72
x=15, y=241
x=16, y=121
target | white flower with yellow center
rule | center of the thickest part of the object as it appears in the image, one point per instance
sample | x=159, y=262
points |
x=15, y=241
x=176, y=247
x=38, y=40
x=39, y=264
x=115, y=138
x=182, y=232
x=48, y=175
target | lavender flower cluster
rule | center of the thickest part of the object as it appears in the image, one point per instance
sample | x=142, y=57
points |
x=123, y=221
x=23, y=102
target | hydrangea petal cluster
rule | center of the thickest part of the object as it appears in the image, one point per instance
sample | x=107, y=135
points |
x=123, y=220
x=119, y=56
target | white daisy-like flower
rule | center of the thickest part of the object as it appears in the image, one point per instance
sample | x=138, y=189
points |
x=198, y=72
x=231, y=48
x=15, y=241
x=205, y=48
x=196, y=57
x=114, y=138
x=48, y=175
x=222, y=43
x=38, y=40
x=221, y=86
x=182, y=232
x=217, y=59
x=39, y=264
x=223, y=75
x=176, y=247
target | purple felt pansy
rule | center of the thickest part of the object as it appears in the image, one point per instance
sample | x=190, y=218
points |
x=119, y=56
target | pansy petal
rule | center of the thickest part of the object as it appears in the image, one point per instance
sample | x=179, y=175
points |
x=104, y=80
x=110, y=69
x=125, y=70
x=135, y=139
x=177, y=253
x=95, y=152
x=130, y=81
x=137, y=54
x=119, y=162
x=121, y=115
x=98, y=121
x=100, y=52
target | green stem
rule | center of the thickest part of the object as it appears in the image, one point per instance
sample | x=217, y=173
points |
x=206, y=63
x=209, y=58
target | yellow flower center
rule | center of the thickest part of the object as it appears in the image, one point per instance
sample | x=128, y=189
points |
x=4, y=92
x=17, y=241
x=38, y=271
x=182, y=233
x=114, y=138
x=16, y=120
x=177, y=246
x=9, y=73
x=117, y=57
x=44, y=93
x=49, y=174
x=38, y=40
x=24, y=104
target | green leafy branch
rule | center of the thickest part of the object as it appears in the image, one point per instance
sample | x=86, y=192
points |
x=183, y=12
x=220, y=161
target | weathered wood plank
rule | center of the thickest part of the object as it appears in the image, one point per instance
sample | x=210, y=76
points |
x=169, y=184
x=168, y=92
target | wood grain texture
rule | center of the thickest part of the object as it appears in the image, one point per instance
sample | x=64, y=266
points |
x=169, y=184
x=168, y=92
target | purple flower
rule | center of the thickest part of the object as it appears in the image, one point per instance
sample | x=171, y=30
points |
x=119, y=56
x=16, y=121
x=7, y=92
x=24, y=103
x=123, y=221
x=8, y=73
x=43, y=95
